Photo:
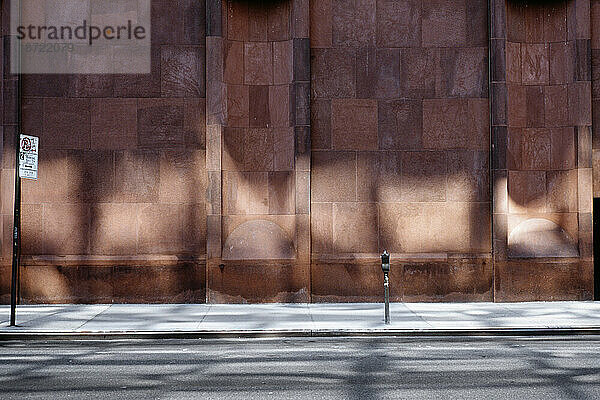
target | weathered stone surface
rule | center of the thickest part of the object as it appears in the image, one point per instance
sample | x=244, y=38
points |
x=396, y=95
x=398, y=23
x=562, y=191
x=333, y=73
x=444, y=23
x=238, y=106
x=535, y=64
x=517, y=106
x=258, y=240
x=183, y=71
x=114, y=124
x=237, y=20
x=543, y=281
x=245, y=193
x=233, y=149
x=137, y=177
x=321, y=28
x=340, y=281
x=464, y=72
x=160, y=229
x=333, y=176
x=556, y=109
x=258, y=64
x=354, y=124
x=233, y=62
x=379, y=176
x=160, y=123
x=32, y=234
x=283, y=149
x=113, y=229
x=527, y=191
x=535, y=149
x=257, y=22
x=498, y=59
x=280, y=282
x=356, y=281
x=562, y=65
x=563, y=145
x=66, y=123
x=455, y=123
x=194, y=123
x=355, y=228
x=513, y=62
x=301, y=59
x=181, y=283
x=580, y=103
x=182, y=177
x=378, y=73
x=259, y=116
x=281, y=192
x=468, y=176
x=61, y=285
x=258, y=150
x=279, y=106
x=353, y=23
x=320, y=123
x=400, y=124
x=321, y=226
x=66, y=229
x=278, y=21
x=283, y=66
x=534, y=100
x=418, y=72
x=418, y=227
x=423, y=176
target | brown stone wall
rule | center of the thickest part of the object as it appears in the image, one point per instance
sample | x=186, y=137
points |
x=279, y=146
x=8, y=119
x=400, y=147
x=542, y=176
x=595, y=45
x=258, y=152
x=118, y=212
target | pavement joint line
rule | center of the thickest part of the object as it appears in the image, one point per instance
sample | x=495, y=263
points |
x=204, y=316
x=202, y=334
x=94, y=317
x=417, y=315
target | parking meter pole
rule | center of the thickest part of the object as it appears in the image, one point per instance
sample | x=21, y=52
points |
x=385, y=267
x=386, y=285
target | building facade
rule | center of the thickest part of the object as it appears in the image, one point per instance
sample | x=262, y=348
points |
x=278, y=147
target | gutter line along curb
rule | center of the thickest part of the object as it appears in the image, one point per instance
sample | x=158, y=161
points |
x=228, y=334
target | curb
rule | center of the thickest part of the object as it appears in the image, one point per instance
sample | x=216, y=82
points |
x=319, y=333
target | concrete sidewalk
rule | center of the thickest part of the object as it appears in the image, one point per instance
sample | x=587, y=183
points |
x=220, y=320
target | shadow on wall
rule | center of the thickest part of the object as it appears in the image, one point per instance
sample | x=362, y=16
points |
x=118, y=213
x=547, y=85
x=80, y=213
x=146, y=200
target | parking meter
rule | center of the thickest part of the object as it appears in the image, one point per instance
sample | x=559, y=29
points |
x=385, y=267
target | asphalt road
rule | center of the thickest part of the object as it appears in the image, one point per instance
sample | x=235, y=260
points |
x=324, y=368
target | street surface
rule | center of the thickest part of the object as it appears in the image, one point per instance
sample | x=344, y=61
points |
x=304, y=368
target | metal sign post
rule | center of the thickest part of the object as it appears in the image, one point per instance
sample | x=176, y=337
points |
x=16, y=236
x=16, y=250
x=26, y=167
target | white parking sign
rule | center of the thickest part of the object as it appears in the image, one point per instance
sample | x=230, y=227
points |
x=28, y=157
